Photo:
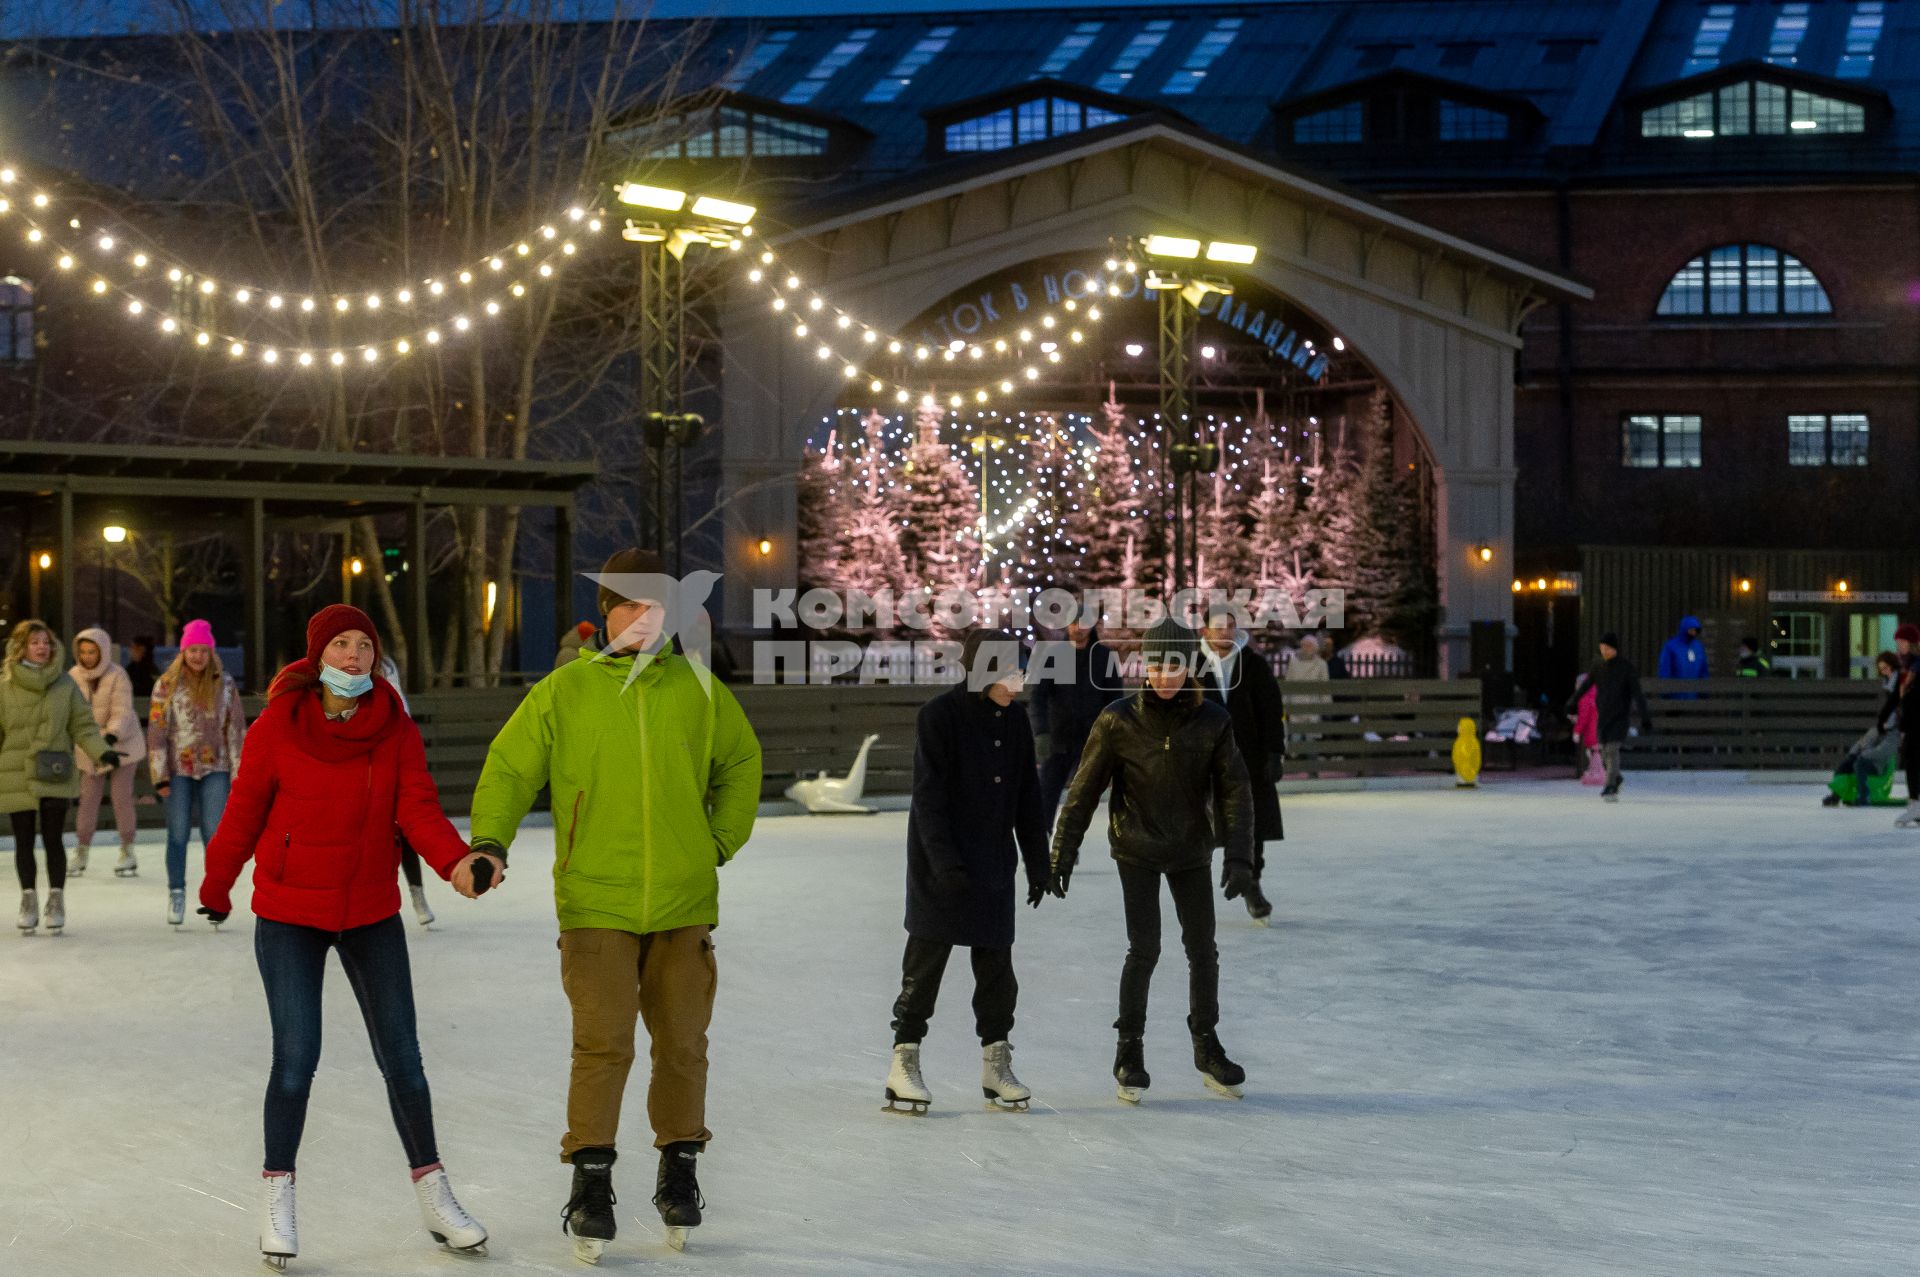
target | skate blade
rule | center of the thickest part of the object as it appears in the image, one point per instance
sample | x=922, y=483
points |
x=276, y=1262
x=1000, y=1104
x=478, y=1249
x=589, y=1249
x=906, y=1108
x=677, y=1238
x=1130, y=1094
x=1221, y=1088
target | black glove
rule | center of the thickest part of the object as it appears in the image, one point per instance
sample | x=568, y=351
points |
x=1063, y=863
x=215, y=916
x=953, y=882
x=1237, y=877
x=111, y=739
x=112, y=759
x=1036, y=890
x=482, y=876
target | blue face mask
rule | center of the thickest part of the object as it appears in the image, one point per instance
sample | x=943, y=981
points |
x=346, y=684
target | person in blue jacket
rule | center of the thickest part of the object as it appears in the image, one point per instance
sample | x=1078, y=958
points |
x=1683, y=655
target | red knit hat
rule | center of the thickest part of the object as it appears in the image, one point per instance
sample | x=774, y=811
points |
x=1910, y=632
x=327, y=624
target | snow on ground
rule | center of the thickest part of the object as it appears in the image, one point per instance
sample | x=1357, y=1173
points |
x=1511, y=1031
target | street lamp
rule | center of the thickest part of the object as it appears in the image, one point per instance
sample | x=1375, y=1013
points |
x=1177, y=289
x=680, y=220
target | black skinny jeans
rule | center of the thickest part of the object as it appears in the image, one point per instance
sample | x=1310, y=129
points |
x=293, y=966
x=1193, y=905
x=51, y=817
x=994, y=991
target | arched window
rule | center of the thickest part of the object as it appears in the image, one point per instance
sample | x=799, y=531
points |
x=1744, y=279
x=16, y=320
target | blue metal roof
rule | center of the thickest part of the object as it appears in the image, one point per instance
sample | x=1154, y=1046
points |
x=1572, y=60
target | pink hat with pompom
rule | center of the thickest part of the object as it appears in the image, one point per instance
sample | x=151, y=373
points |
x=197, y=634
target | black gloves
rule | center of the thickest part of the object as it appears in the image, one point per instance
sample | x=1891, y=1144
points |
x=1237, y=877
x=1036, y=890
x=491, y=847
x=1063, y=863
x=111, y=739
x=952, y=882
x=112, y=758
x=215, y=916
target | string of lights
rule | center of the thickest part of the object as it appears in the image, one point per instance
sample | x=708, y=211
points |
x=144, y=255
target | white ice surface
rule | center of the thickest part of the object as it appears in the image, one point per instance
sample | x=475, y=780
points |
x=1510, y=1031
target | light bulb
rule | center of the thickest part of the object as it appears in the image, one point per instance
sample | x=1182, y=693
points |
x=308, y=304
x=462, y=323
x=336, y=359
x=269, y=356
x=433, y=337
x=237, y=349
x=274, y=303
x=404, y=297
x=402, y=346
x=242, y=296
x=305, y=359
x=373, y=301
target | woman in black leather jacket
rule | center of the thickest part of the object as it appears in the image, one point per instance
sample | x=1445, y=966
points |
x=1180, y=789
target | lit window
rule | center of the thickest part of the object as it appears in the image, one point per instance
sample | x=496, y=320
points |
x=1342, y=124
x=758, y=59
x=1863, y=33
x=1138, y=50
x=1744, y=279
x=1462, y=123
x=1789, y=29
x=1071, y=46
x=1753, y=108
x=1716, y=25
x=1839, y=440
x=896, y=80
x=725, y=133
x=1208, y=49
x=1660, y=443
x=1031, y=121
x=16, y=320
x=808, y=86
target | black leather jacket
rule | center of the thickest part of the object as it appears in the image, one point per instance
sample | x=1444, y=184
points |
x=1179, y=785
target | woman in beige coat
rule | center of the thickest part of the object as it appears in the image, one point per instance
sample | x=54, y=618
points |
x=109, y=693
x=42, y=717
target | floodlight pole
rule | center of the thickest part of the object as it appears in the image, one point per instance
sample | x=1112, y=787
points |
x=1176, y=419
x=663, y=330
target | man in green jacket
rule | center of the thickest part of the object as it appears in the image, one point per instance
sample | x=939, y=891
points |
x=655, y=777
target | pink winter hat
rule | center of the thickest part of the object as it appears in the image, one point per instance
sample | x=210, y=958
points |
x=197, y=634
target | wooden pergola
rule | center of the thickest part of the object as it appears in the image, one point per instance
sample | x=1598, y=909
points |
x=248, y=492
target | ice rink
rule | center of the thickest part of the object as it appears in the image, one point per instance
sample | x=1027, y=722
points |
x=1510, y=1031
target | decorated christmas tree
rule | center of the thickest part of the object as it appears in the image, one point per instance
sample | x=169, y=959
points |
x=1328, y=526
x=939, y=508
x=1227, y=561
x=1277, y=536
x=820, y=510
x=1391, y=562
x=1109, y=512
x=870, y=557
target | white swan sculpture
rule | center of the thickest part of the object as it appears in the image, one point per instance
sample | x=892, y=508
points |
x=824, y=793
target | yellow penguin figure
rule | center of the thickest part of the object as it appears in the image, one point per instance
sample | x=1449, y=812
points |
x=1466, y=756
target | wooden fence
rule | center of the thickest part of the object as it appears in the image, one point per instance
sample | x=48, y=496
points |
x=1376, y=726
x=1752, y=723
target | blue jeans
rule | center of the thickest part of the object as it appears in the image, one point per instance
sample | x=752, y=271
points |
x=293, y=964
x=192, y=801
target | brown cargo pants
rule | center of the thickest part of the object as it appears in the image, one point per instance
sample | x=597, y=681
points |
x=612, y=978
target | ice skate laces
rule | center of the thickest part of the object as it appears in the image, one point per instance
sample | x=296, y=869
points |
x=678, y=1183
x=280, y=1204
x=443, y=1203
x=593, y=1195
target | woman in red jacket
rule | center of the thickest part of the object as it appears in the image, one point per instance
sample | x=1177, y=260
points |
x=328, y=772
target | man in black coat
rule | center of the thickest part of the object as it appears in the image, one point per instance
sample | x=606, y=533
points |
x=1616, y=694
x=975, y=796
x=1072, y=681
x=1179, y=789
x=1233, y=674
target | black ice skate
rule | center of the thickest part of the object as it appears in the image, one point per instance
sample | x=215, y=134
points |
x=1220, y=1073
x=1611, y=794
x=588, y=1214
x=1130, y=1070
x=1259, y=908
x=676, y=1192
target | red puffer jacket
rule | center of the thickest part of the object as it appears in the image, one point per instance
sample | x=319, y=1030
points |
x=315, y=803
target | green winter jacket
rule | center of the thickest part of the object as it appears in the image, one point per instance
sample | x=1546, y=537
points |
x=41, y=709
x=655, y=784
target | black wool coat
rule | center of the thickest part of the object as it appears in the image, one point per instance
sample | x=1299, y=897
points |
x=976, y=807
x=1259, y=729
x=1617, y=694
x=1063, y=705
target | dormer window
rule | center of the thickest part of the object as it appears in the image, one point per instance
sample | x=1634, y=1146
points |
x=737, y=127
x=1404, y=108
x=1032, y=112
x=1750, y=108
